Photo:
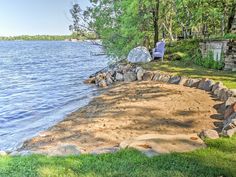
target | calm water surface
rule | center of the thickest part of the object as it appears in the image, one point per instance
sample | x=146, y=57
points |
x=40, y=83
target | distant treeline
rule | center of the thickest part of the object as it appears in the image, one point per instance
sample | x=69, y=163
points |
x=37, y=37
x=45, y=37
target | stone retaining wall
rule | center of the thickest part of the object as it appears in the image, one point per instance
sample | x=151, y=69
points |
x=130, y=73
x=230, y=57
x=225, y=49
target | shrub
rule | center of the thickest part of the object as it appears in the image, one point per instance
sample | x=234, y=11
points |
x=209, y=62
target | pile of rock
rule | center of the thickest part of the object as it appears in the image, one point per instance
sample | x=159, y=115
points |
x=130, y=73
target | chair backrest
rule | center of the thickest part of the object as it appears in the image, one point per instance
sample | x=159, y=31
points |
x=160, y=47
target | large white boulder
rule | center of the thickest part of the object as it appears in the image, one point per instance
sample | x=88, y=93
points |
x=139, y=54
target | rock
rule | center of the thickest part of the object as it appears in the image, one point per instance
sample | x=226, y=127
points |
x=140, y=72
x=109, y=81
x=230, y=110
x=174, y=79
x=139, y=54
x=183, y=80
x=156, y=77
x=102, y=84
x=3, y=153
x=161, y=144
x=65, y=150
x=130, y=76
x=105, y=150
x=230, y=132
x=225, y=94
x=147, y=76
x=216, y=86
x=233, y=91
x=90, y=80
x=123, y=68
x=192, y=83
x=230, y=101
x=109, y=78
x=119, y=77
x=210, y=134
x=206, y=84
x=99, y=77
x=230, y=122
x=217, y=92
x=164, y=78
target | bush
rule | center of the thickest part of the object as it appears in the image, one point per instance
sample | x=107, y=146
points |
x=209, y=62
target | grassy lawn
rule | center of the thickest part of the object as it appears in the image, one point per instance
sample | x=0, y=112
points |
x=187, y=68
x=219, y=159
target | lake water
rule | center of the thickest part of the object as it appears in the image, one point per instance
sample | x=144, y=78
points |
x=40, y=83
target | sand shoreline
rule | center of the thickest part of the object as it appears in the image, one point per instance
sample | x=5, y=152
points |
x=128, y=110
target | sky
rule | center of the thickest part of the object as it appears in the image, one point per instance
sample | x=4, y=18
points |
x=36, y=17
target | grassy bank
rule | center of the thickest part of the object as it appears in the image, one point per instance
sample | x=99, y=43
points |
x=180, y=59
x=219, y=159
x=189, y=69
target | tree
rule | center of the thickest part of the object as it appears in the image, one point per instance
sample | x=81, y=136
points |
x=125, y=24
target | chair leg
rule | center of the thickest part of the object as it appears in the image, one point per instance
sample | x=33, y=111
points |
x=162, y=59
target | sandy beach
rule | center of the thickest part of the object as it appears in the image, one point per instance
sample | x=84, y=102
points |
x=128, y=110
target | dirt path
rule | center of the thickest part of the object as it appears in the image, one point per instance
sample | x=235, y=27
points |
x=130, y=110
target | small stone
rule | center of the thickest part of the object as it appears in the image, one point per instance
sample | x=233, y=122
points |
x=130, y=77
x=230, y=122
x=233, y=91
x=147, y=76
x=90, y=80
x=99, y=77
x=119, y=77
x=224, y=94
x=231, y=132
x=230, y=101
x=183, y=80
x=164, y=78
x=156, y=77
x=192, y=83
x=217, y=85
x=105, y=150
x=109, y=81
x=230, y=110
x=174, y=80
x=206, y=84
x=210, y=134
x=102, y=84
x=140, y=72
x=65, y=150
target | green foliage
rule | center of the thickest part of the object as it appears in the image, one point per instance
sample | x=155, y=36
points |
x=123, y=25
x=230, y=36
x=219, y=159
x=209, y=62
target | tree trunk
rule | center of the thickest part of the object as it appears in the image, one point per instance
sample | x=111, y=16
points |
x=155, y=21
x=231, y=17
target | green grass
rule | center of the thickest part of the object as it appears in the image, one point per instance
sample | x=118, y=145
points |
x=188, y=69
x=219, y=159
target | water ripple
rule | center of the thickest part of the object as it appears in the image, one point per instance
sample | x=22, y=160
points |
x=40, y=83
